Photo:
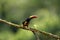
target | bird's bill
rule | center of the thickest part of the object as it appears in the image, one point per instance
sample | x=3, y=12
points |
x=33, y=16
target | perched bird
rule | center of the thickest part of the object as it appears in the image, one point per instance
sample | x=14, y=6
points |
x=27, y=21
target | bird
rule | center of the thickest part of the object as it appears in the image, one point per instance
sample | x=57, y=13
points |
x=27, y=21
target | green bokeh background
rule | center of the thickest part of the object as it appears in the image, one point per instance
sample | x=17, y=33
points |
x=16, y=11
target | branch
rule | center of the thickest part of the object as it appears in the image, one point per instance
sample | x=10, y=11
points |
x=31, y=29
x=35, y=33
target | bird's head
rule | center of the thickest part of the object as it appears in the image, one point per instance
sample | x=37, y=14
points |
x=33, y=16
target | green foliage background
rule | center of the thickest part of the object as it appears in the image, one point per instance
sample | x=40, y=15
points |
x=48, y=12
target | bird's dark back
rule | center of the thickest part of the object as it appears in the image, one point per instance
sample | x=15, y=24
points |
x=27, y=20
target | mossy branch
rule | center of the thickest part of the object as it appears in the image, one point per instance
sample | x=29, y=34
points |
x=31, y=29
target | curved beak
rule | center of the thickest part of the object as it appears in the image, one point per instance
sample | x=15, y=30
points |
x=34, y=16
